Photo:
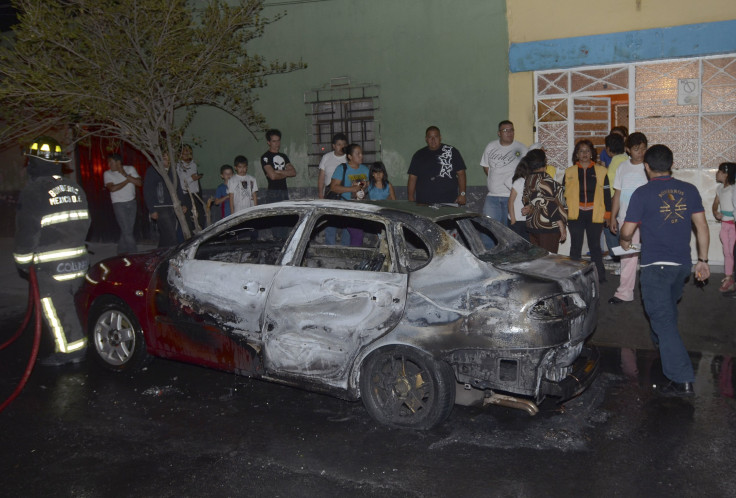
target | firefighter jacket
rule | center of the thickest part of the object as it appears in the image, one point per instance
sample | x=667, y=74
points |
x=52, y=221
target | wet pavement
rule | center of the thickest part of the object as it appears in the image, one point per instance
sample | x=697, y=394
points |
x=181, y=430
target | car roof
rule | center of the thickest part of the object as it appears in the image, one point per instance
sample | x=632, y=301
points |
x=434, y=212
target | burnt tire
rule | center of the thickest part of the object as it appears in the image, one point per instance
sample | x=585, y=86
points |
x=116, y=337
x=403, y=387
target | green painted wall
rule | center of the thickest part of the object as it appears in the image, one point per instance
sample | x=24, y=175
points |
x=436, y=62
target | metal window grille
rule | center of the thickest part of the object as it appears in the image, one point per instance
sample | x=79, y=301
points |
x=347, y=108
x=700, y=127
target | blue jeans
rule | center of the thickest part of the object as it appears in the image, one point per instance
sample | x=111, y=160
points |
x=125, y=215
x=331, y=236
x=661, y=288
x=611, y=242
x=345, y=237
x=497, y=208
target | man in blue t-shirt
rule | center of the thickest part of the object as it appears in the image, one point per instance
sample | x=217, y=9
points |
x=665, y=209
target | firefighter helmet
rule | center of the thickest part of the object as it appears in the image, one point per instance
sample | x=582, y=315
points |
x=48, y=149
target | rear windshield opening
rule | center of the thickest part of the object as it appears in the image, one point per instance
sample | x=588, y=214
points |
x=489, y=240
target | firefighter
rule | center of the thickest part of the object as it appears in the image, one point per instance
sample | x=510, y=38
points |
x=51, y=226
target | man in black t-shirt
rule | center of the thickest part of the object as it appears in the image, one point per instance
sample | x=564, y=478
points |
x=437, y=172
x=277, y=168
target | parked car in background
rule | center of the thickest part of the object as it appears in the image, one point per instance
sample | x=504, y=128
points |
x=433, y=306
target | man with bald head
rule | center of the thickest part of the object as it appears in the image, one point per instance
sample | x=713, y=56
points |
x=437, y=172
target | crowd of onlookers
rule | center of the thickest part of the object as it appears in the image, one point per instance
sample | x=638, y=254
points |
x=342, y=175
x=588, y=200
x=596, y=194
x=628, y=194
x=621, y=198
x=631, y=193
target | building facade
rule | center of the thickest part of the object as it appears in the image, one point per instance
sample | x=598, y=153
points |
x=665, y=68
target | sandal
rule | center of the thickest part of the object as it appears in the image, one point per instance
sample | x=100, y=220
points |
x=727, y=284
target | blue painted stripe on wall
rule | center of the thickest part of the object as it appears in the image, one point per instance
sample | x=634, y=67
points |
x=691, y=40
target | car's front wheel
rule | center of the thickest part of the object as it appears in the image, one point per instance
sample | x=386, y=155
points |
x=403, y=387
x=117, y=338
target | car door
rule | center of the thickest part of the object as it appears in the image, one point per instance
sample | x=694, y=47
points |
x=218, y=289
x=333, y=301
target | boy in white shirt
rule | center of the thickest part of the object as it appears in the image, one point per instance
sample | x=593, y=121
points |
x=242, y=187
x=189, y=180
x=630, y=175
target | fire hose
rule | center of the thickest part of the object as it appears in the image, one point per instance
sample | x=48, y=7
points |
x=34, y=308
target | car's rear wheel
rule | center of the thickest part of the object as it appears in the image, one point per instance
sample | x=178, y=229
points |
x=117, y=338
x=403, y=387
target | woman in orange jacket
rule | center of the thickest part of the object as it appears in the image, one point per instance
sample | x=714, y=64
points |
x=588, y=197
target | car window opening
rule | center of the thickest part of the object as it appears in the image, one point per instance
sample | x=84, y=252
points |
x=452, y=229
x=489, y=241
x=347, y=243
x=254, y=241
x=416, y=251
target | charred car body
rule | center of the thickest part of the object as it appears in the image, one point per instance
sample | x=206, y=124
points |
x=435, y=306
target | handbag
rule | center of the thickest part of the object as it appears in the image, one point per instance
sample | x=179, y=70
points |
x=329, y=194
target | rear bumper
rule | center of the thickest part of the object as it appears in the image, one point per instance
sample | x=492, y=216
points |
x=584, y=372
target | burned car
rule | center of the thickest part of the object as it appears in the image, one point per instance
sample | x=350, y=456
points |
x=426, y=308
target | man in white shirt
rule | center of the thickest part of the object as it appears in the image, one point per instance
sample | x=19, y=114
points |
x=121, y=181
x=499, y=162
x=330, y=162
x=327, y=166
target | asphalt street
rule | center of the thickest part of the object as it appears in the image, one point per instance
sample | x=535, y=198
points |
x=180, y=430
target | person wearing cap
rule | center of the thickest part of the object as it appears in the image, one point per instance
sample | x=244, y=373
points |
x=52, y=220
